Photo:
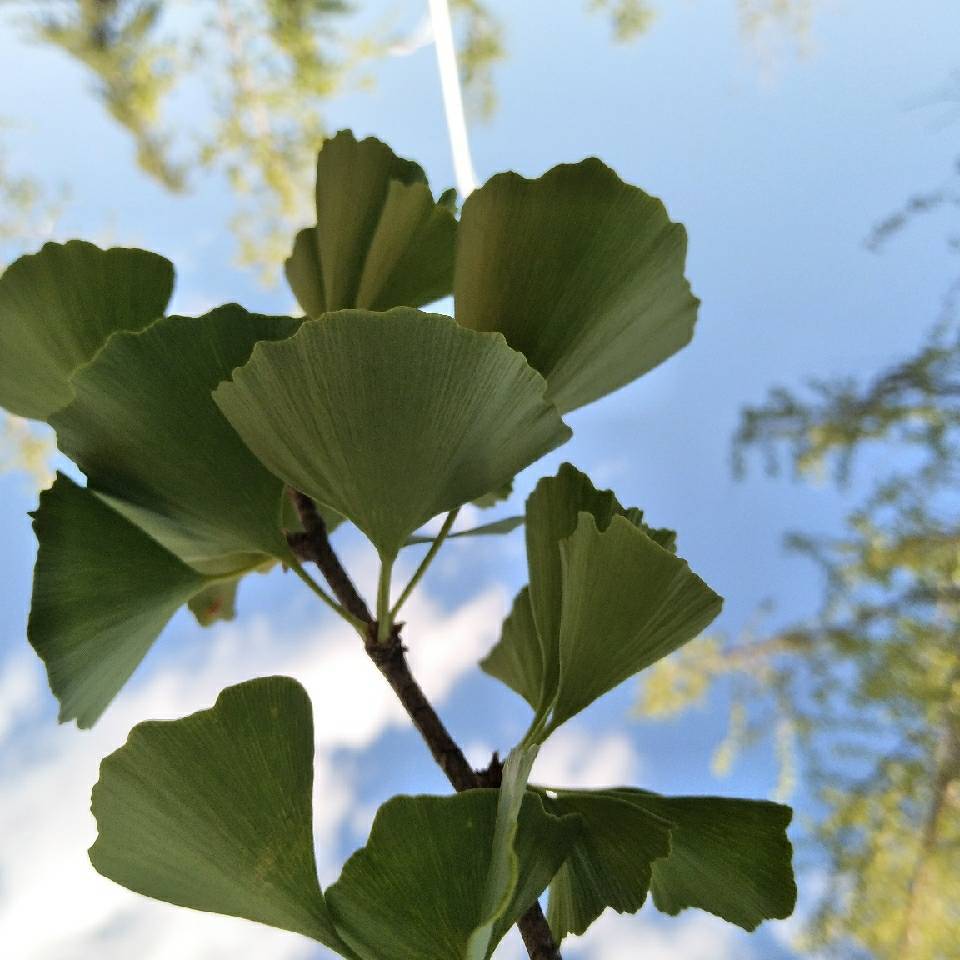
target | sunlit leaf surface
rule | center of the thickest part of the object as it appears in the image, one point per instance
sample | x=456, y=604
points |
x=381, y=240
x=581, y=272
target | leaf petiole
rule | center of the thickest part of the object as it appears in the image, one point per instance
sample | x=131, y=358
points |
x=354, y=622
x=425, y=562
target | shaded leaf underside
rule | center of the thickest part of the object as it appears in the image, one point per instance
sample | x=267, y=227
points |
x=59, y=306
x=102, y=592
x=390, y=419
x=145, y=430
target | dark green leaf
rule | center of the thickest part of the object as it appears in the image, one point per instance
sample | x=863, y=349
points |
x=58, y=307
x=506, y=525
x=102, y=592
x=391, y=418
x=415, y=891
x=729, y=857
x=581, y=272
x=380, y=241
x=214, y=811
x=144, y=429
x=611, y=862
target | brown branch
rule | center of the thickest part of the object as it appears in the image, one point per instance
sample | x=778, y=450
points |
x=391, y=661
x=313, y=544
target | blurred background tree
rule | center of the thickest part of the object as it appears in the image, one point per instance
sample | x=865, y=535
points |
x=269, y=66
x=28, y=215
x=866, y=693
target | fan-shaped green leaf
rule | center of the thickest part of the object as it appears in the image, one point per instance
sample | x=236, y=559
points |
x=415, y=891
x=58, y=306
x=611, y=862
x=391, y=418
x=381, y=240
x=552, y=512
x=102, y=592
x=627, y=603
x=531, y=651
x=145, y=430
x=729, y=857
x=214, y=811
x=581, y=272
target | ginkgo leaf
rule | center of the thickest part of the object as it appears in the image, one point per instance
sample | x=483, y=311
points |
x=391, y=418
x=546, y=640
x=581, y=272
x=216, y=602
x=102, y=592
x=627, y=603
x=517, y=659
x=552, y=512
x=58, y=307
x=144, y=429
x=494, y=528
x=381, y=240
x=610, y=864
x=214, y=811
x=415, y=891
x=730, y=857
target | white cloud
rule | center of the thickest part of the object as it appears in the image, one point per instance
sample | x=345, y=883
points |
x=20, y=694
x=578, y=757
x=697, y=936
x=54, y=906
x=693, y=936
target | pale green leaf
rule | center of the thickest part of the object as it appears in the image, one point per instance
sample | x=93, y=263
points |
x=381, y=240
x=503, y=873
x=517, y=659
x=415, y=891
x=145, y=430
x=214, y=811
x=58, y=307
x=627, y=603
x=730, y=857
x=391, y=418
x=216, y=602
x=102, y=592
x=611, y=862
x=496, y=527
x=581, y=272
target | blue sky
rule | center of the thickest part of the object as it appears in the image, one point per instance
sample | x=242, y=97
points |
x=778, y=164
